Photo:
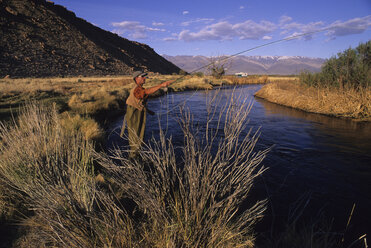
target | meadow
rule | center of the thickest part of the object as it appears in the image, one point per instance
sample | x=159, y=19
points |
x=63, y=193
x=89, y=103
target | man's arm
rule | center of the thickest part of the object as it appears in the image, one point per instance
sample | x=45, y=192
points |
x=153, y=89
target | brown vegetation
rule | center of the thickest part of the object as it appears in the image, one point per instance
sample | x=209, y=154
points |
x=48, y=174
x=340, y=102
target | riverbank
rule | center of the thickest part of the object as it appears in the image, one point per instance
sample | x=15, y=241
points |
x=49, y=176
x=338, y=102
x=88, y=104
x=25, y=147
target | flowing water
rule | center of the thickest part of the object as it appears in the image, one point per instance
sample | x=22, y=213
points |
x=322, y=162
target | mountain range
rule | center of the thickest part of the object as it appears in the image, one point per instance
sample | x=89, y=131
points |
x=41, y=39
x=278, y=65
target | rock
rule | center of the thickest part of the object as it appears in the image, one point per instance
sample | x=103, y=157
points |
x=11, y=11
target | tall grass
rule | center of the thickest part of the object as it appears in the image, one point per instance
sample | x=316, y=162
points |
x=191, y=199
x=49, y=175
x=349, y=103
x=253, y=79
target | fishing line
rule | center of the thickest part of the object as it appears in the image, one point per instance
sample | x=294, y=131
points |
x=234, y=55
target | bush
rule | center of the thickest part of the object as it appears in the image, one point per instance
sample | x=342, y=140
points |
x=190, y=200
x=50, y=174
x=351, y=68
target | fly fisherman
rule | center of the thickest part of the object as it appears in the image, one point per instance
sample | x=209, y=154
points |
x=136, y=109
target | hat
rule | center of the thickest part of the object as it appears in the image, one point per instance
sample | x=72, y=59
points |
x=139, y=74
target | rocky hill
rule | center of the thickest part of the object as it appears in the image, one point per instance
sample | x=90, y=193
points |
x=279, y=65
x=41, y=39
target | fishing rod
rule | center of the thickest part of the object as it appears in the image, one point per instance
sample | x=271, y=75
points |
x=239, y=53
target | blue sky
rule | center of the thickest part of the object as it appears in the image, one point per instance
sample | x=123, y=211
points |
x=216, y=27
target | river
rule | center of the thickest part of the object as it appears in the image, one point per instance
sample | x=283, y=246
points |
x=322, y=162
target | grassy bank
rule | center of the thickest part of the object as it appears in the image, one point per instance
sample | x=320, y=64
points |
x=65, y=194
x=341, y=89
x=87, y=104
x=345, y=102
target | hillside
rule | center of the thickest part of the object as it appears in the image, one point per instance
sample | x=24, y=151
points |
x=280, y=65
x=41, y=39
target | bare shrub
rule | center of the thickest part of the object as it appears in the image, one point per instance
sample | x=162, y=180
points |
x=218, y=66
x=88, y=127
x=93, y=102
x=51, y=173
x=193, y=200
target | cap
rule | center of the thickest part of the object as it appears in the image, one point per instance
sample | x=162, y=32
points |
x=139, y=74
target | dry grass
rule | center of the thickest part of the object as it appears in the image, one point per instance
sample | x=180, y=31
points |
x=60, y=85
x=343, y=102
x=89, y=129
x=254, y=79
x=49, y=172
x=96, y=94
x=188, y=201
x=193, y=200
x=192, y=83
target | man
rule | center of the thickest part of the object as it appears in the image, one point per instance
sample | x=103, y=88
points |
x=136, y=109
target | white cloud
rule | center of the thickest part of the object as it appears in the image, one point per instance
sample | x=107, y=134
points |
x=135, y=29
x=242, y=7
x=170, y=39
x=338, y=28
x=266, y=37
x=298, y=28
x=198, y=20
x=157, y=24
x=285, y=19
x=353, y=26
x=186, y=12
x=226, y=31
x=252, y=30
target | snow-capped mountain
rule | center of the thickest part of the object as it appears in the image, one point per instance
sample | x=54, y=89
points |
x=281, y=65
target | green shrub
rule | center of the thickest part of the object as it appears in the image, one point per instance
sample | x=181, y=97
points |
x=351, y=68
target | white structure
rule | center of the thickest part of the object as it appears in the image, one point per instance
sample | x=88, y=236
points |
x=241, y=74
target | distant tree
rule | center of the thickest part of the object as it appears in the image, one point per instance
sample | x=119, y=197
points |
x=218, y=66
x=351, y=68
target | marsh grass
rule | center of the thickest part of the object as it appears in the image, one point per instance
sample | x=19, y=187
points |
x=191, y=200
x=340, y=102
x=49, y=173
x=192, y=83
x=86, y=126
x=252, y=79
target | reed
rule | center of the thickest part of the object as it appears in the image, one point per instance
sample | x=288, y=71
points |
x=345, y=102
x=191, y=200
x=49, y=173
x=253, y=79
